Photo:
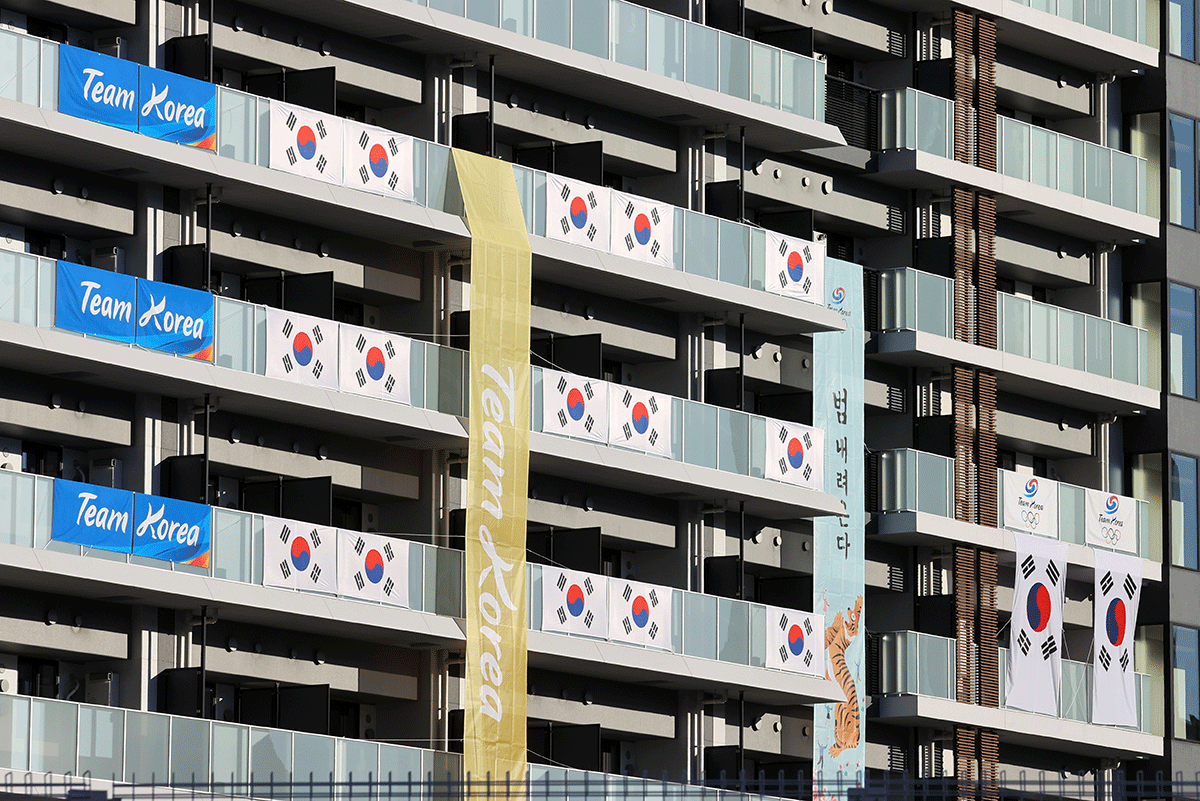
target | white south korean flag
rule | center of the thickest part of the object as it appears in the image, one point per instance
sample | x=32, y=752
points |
x=374, y=363
x=1034, y=670
x=299, y=555
x=639, y=613
x=795, y=641
x=574, y=406
x=795, y=454
x=302, y=348
x=372, y=567
x=639, y=419
x=795, y=267
x=577, y=212
x=1118, y=592
x=306, y=142
x=573, y=602
x=643, y=229
x=377, y=160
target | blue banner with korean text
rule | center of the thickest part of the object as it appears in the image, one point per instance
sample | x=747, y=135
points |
x=97, y=517
x=171, y=530
x=176, y=108
x=175, y=319
x=97, y=87
x=95, y=302
x=839, y=742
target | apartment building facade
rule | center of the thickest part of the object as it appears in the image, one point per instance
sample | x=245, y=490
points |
x=974, y=193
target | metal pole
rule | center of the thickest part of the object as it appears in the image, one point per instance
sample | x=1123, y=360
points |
x=207, y=427
x=741, y=737
x=203, y=659
x=742, y=178
x=741, y=550
x=208, y=208
x=210, y=70
x=492, y=106
x=741, y=400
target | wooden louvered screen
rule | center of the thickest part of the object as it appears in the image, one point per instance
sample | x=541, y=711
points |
x=966, y=754
x=985, y=448
x=985, y=93
x=964, y=80
x=989, y=765
x=965, y=581
x=964, y=264
x=985, y=271
x=964, y=445
x=989, y=667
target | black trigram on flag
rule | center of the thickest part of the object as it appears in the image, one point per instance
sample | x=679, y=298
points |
x=1049, y=647
x=320, y=126
x=315, y=573
x=1104, y=657
x=1052, y=573
x=1028, y=566
x=361, y=377
x=562, y=615
x=1130, y=586
x=285, y=569
x=292, y=119
x=1106, y=582
x=322, y=163
x=388, y=587
x=1124, y=660
x=1023, y=642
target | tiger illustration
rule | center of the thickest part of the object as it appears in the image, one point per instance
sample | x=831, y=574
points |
x=838, y=637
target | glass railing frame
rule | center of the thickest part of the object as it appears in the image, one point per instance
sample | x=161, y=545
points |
x=1053, y=7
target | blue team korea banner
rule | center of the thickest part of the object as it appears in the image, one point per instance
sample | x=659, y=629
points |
x=95, y=302
x=839, y=742
x=171, y=530
x=97, y=87
x=98, y=517
x=175, y=319
x=176, y=108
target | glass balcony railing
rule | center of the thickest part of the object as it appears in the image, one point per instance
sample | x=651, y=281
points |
x=630, y=34
x=29, y=74
x=703, y=626
x=913, y=663
x=702, y=434
x=914, y=120
x=1129, y=19
x=911, y=300
x=915, y=481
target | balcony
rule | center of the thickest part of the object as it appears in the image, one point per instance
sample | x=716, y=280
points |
x=916, y=501
x=917, y=680
x=1049, y=179
x=1044, y=351
x=29, y=75
x=714, y=640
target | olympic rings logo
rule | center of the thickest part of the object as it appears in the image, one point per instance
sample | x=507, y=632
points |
x=1030, y=518
x=1111, y=534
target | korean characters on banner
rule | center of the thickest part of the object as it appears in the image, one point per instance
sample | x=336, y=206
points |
x=573, y=602
x=643, y=229
x=574, y=406
x=374, y=363
x=795, y=267
x=1111, y=521
x=377, y=160
x=302, y=348
x=577, y=212
x=1117, y=595
x=306, y=142
x=1030, y=503
x=795, y=641
x=298, y=555
x=639, y=419
x=372, y=567
x=795, y=454
x=1034, y=671
x=639, y=614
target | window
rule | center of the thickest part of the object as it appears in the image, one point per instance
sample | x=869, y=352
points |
x=1183, y=511
x=1182, y=28
x=1181, y=170
x=1186, y=682
x=1183, y=341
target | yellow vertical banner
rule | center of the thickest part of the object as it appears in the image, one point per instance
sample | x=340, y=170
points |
x=497, y=471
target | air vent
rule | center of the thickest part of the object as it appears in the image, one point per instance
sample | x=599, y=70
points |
x=896, y=400
x=897, y=759
x=895, y=219
x=896, y=44
x=895, y=578
x=871, y=299
x=872, y=489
